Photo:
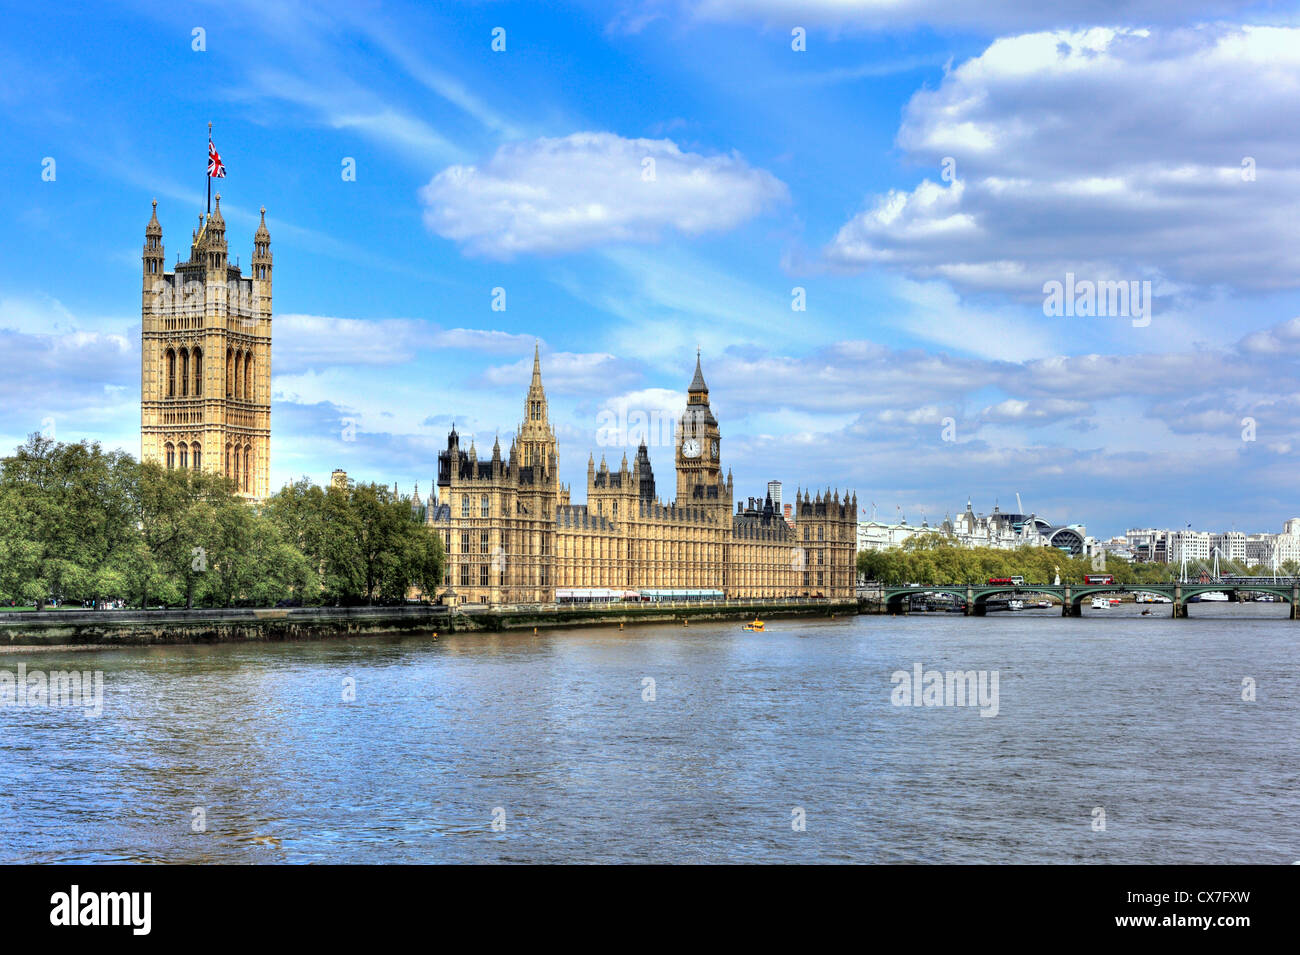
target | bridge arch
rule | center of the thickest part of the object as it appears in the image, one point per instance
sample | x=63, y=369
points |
x=1071, y=596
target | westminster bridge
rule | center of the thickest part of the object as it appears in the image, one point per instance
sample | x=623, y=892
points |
x=1071, y=596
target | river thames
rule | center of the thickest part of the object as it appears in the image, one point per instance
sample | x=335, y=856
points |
x=672, y=744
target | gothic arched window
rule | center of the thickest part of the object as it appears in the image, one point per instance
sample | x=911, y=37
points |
x=185, y=455
x=228, y=472
x=248, y=377
x=171, y=373
x=248, y=454
x=196, y=455
x=185, y=373
x=230, y=374
x=235, y=474
x=239, y=372
x=171, y=456
x=485, y=506
x=198, y=373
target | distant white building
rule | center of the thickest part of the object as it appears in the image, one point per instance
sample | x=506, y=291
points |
x=1115, y=547
x=999, y=530
x=1201, y=547
x=878, y=535
x=1190, y=546
x=1287, y=544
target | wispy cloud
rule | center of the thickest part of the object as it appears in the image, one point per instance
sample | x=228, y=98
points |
x=586, y=189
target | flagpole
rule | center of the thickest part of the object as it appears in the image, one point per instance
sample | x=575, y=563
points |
x=209, y=177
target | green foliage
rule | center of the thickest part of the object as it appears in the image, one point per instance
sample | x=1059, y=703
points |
x=360, y=543
x=933, y=559
x=78, y=523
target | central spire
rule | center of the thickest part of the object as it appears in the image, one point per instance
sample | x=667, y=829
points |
x=536, y=438
x=537, y=368
x=697, y=383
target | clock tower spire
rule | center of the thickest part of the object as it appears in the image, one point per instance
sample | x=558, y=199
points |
x=699, y=465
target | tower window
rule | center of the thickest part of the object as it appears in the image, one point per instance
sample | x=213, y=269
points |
x=485, y=506
x=171, y=456
x=198, y=373
x=171, y=373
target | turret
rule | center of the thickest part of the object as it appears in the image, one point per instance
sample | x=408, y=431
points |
x=262, y=254
x=210, y=243
x=153, y=250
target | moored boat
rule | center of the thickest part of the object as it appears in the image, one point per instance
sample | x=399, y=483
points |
x=1146, y=597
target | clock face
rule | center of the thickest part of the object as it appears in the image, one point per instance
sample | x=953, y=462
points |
x=690, y=448
x=715, y=450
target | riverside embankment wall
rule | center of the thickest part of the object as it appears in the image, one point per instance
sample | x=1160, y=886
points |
x=55, y=628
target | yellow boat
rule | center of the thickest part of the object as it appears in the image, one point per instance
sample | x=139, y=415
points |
x=755, y=627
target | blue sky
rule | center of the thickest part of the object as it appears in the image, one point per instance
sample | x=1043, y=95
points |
x=1107, y=145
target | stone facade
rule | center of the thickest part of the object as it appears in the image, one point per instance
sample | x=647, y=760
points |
x=205, y=365
x=513, y=535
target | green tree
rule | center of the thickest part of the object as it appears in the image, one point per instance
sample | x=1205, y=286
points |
x=65, y=514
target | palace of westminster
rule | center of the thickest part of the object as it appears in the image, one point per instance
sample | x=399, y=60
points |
x=510, y=530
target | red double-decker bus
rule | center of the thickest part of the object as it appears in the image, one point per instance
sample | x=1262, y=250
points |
x=1098, y=578
x=1017, y=580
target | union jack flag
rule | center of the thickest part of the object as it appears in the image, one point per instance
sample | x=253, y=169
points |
x=216, y=168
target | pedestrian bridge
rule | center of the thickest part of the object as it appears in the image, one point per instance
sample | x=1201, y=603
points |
x=1071, y=596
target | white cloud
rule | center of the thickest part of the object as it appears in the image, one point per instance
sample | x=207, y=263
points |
x=566, y=372
x=554, y=195
x=1045, y=411
x=1280, y=339
x=483, y=340
x=308, y=342
x=304, y=342
x=1110, y=153
x=77, y=376
x=994, y=15
x=346, y=105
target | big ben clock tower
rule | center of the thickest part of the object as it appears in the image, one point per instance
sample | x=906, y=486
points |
x=699, y=464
